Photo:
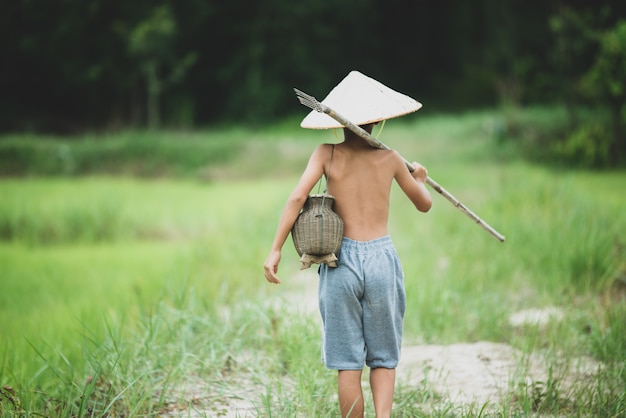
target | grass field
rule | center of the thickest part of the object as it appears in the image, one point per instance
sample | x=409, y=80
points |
x=117, y=289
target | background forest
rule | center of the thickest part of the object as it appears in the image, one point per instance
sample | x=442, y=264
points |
x=147, y=149
x=73, y=66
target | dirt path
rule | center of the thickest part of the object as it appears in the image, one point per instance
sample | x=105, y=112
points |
x=461, y=374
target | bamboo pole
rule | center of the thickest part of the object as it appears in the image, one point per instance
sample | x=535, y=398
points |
x=314, y=104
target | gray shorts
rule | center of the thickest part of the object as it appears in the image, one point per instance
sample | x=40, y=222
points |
x=362, y=302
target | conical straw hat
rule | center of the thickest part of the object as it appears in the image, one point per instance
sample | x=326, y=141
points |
x=361, y=100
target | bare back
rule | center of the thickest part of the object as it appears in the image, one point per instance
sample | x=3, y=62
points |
x=360, y=180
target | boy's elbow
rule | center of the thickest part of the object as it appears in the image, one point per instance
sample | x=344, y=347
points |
x=424, y=205
x=297, y=199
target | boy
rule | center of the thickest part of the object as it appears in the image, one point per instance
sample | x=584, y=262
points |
x=362, y=301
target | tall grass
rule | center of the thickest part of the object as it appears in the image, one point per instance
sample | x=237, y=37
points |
x=137, y=153
x=130, y=297
x=207, y=155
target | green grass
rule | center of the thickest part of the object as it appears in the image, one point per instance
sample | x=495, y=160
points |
x=119, y=291
x=207, y=155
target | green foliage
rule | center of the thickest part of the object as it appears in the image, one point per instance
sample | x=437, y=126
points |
x=606, y=339
x=605, y=82
x=115, y=64
x=152, y=37
x=587, y=146
x=99, y=222
x=599, y=141
x=152, y=42
x=549, y=135
x=150, y=154
x=175, y=301
x=588, y=71
x=605, y=79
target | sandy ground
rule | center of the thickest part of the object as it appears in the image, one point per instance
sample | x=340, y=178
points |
x=461, y=374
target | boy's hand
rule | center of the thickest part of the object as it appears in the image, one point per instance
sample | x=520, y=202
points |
x=271, y=267
x=420, y=173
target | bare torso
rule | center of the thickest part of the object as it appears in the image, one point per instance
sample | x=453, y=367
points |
x=360, y=180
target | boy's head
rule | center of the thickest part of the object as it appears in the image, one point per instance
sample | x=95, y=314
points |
x=362, y=100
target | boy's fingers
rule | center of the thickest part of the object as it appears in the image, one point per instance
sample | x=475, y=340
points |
x=270, y=275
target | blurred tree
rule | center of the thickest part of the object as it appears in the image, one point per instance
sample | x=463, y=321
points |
x=589, y=61
x=152, y=43
x=606, y=82
x=573, y=47
x=282, y=44
x=59, y=66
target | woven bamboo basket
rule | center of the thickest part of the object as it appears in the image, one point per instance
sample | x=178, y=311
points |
x=318, y=231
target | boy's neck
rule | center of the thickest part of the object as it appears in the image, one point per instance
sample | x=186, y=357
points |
x=353, y=139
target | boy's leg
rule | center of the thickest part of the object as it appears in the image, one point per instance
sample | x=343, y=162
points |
x=382, y=382
x=350, y=393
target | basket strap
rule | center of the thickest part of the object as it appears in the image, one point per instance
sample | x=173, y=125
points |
x=330, y=164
